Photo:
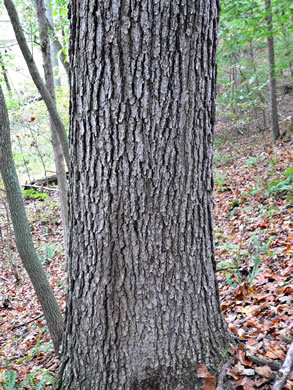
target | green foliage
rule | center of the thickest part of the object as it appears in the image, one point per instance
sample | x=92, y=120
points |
x=33, y=194
x=221, y=158
x=282, y=187
x=219, y=141
x=259, y=249
x=44, y=348
x=243, y=72
x=235, y=203
x=29, y=382
x=254, y=160
x=30, y=134
x=47, y=252
x=234, y=266
x=220, y=181
x=9, y=380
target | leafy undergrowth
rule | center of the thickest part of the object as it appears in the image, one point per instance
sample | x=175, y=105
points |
x=254, y=237
x=253, y=228
x=25, y=347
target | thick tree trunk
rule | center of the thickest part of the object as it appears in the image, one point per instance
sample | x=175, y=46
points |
x=271, y=57
x=49, y=78
x=143, y=307
x=37, y=78
x=23, y=235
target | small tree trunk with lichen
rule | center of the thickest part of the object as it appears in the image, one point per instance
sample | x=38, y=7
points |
x=49, y=78
x=51, y=106
x=23, y=237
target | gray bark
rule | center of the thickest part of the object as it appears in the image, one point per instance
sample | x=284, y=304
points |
x=53, y=50
x=37, y=78
x=4, y=73
x=23, y=237
x=262, y=97
x=49, y=78
x=143, y=307
x=57, y=47
x=271, y=57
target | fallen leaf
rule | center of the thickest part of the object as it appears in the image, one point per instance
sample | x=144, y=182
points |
x=264, y=371
x=246, y=383
x=203, y=372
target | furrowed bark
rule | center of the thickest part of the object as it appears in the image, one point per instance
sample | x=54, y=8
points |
x=143, y=307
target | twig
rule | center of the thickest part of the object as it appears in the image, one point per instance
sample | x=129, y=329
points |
x=263, y=362
x=225, y=269
x=284, y=371
x=27, y=322
x=35, y=186
x=222, y=374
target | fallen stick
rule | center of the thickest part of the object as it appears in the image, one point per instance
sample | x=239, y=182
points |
x=263, y=362
x=285, y=370
x=27, y=322
x=222, y=374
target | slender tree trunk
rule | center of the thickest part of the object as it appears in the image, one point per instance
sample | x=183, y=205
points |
x=4, y=72
x=49, y=78
x=271, y=57
x=291, y=68
x=58, y=47
x=23, y=235
x=53, y=51
x=143, y=307
x=262, y=98
x=37, y=78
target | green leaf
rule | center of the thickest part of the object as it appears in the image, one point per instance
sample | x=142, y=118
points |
x=288, y=172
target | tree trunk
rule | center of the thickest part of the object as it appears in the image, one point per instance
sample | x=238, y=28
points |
x=271, y=56
x=53, y=50
x=5, y=75
x=57, y=47
x=143, y=307
x=37, y=78
x=49, y=78
x=261, y=96
x=23, y=237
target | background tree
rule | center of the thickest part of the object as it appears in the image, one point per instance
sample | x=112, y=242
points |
x=57, y=49
x=23, y=237
x=4, y=74
x=12, y=12
x=244, y=71
x=143, y=308
x=50, y=84
x=272, y=65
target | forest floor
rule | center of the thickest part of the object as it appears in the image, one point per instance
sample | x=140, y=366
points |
x=254, y=238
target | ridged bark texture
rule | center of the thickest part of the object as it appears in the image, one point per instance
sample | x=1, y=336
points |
x=143, y=307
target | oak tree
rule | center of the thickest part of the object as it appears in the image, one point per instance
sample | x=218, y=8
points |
x=143, y=307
